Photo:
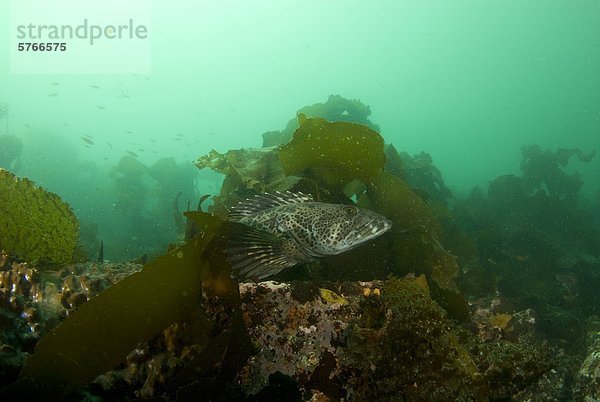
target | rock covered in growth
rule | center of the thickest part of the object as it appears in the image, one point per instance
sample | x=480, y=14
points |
x=352, y=340
x=30, y=306
x=35, y=225
x=403, y=347
x=384, y=340
x=20, y=320
x=296, y=329
x=78, y=283
x=588, y=376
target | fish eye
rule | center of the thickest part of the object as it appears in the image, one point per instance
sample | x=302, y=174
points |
x=349, y=210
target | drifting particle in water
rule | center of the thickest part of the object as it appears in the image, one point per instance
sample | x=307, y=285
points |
x=100, y=107
x=52, y=95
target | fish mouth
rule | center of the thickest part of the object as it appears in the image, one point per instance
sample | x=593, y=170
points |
x=368, y=231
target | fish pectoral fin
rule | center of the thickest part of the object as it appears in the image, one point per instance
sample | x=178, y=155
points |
x=256, y=254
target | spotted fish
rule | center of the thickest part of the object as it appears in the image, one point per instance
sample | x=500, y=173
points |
x=285, y=229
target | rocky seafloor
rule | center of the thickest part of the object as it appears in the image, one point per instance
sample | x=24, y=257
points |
x=378, y=340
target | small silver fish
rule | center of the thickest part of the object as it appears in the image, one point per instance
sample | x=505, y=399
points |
x=285, y=229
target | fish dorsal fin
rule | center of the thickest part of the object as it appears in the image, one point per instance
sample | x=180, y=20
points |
x=260, y=202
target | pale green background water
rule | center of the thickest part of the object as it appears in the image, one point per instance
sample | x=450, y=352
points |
x=469, y=82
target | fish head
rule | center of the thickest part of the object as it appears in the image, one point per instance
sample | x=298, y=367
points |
x=347, y=226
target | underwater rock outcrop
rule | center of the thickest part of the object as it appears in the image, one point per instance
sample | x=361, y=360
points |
x=35, y=225
x=538, y=246
x=340, y=162
x=403, y=347
x=352, y=340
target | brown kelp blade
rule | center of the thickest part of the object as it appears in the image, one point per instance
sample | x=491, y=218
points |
x=99, y=335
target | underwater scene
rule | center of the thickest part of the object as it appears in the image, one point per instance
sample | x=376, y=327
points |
x=300, y=201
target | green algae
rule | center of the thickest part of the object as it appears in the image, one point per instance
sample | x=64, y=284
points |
x=35, y=224
x=333, y=298
x=333, y=153
x=99, y=335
